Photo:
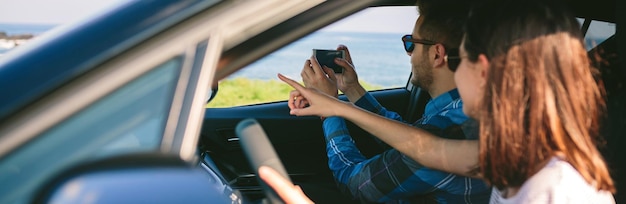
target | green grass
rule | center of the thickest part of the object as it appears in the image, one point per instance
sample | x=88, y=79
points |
x=243, y=91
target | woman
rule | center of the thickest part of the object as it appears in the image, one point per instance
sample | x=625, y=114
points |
x=525, y=75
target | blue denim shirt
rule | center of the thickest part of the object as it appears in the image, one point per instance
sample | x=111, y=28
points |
x=391, y=176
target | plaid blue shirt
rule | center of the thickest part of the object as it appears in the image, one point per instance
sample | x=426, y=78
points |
x=392, y=177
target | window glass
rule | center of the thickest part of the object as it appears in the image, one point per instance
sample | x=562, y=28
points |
x=597, y=33
x=372, y=36
x=131, y=119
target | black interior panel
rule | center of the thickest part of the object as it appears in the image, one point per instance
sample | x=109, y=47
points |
x=299, y=141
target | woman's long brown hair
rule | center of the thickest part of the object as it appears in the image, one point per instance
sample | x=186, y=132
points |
x=540, y=100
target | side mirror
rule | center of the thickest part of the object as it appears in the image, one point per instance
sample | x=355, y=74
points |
x=149, y=178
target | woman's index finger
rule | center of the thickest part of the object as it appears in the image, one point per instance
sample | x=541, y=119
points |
x=291, y=82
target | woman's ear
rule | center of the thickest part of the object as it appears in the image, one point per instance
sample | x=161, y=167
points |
x=483, y=68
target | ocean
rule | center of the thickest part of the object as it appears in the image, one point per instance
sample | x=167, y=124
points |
x=379, y=58
x=17, y=29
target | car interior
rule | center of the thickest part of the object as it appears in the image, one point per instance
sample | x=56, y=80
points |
x=299, y=141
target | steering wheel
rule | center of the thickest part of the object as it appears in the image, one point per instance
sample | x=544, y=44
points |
x=260, y=152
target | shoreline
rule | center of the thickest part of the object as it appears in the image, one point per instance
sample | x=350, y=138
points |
x=8, y=42
x=25, y=36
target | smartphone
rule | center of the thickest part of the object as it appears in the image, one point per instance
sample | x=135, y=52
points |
x=327, y=58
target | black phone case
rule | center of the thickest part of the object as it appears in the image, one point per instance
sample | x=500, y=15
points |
x=327, y=58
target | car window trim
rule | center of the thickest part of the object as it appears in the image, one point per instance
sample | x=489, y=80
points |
x=184, y=123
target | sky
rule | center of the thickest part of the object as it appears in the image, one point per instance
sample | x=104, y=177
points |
x=51, y=12
x=57, y=12
x=396, y=19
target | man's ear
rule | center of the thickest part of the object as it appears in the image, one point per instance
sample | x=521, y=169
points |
x=440, y=52
x=483, y=66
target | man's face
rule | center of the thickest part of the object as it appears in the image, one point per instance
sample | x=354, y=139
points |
x=421, y=67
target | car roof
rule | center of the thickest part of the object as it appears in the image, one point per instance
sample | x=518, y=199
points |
x=603, y=10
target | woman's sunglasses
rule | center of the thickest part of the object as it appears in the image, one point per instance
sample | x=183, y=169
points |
x=452, y=57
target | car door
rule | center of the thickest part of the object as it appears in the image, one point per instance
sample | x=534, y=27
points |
x=379, y=59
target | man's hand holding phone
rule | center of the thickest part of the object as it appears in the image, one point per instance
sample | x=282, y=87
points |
x=348, y=81
x=344, y=77
x=327, y=58
x=319, y=77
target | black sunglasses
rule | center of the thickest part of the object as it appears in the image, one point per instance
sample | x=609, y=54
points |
x=409, y=42
x=452, y=57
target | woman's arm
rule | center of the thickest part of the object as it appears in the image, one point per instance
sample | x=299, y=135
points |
x=454, y=156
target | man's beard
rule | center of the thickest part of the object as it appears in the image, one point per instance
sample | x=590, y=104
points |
x=424, y=76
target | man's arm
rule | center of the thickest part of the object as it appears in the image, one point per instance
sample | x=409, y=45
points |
x=387, y=176
x=369, y=103
x=455, y=156
x=340, y=148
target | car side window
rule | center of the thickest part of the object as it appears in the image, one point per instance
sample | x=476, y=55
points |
x=372, y=36
x=597, y=32
x=130, y=119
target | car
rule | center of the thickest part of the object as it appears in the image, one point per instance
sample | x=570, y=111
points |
x=113, y=109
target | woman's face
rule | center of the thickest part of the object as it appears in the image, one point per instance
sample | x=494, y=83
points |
x=469, y=78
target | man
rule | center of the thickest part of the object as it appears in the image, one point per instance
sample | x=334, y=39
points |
x=392, y=176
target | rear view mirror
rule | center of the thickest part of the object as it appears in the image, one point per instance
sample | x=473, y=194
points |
x=150, y=178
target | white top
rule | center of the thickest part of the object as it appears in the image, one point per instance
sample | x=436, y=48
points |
x=557, y=182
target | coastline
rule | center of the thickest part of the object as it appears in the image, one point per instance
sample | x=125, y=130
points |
x=13, y=35
x=8, y=43
x=11, y=41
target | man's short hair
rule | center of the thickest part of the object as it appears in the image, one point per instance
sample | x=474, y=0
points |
x=443, y=20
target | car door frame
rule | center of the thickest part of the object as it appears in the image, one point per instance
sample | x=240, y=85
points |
x=168, y=38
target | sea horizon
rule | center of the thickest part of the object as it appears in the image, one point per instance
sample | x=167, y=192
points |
x=25, y=28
